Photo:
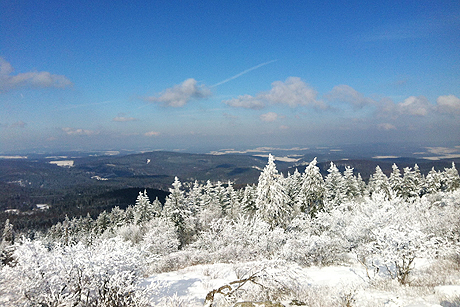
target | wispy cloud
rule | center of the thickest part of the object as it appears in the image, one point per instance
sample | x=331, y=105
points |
x=123, y=119
x=179, y=95
x=152, y=133
x=269, y=117
x=38, y=79
x=293, y=92
x=242, y=73
x=79, y=131
x=386, y=126
x=348, y=94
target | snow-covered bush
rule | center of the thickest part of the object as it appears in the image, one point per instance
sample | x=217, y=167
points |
x=246, y=238
x=106, y=273
x=160, y=237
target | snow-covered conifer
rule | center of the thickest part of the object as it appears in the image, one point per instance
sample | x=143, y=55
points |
x=292, y=186
x=433, y=181
x=176, y=210
x=335, y=190
x=379, y=183
x=272, y=202
x=396, y=181
x=451, y=179
x=352, y=189
x=311, y=195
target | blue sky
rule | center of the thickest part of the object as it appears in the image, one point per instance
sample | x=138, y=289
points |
x=102, y=75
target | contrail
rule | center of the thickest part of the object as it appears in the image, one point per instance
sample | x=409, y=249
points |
x=242, y=73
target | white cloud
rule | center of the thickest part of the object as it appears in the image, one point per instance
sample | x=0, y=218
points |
x=348, y=94
x=39, y=79
x=123, y=119
x=73, y=131
x=152, y=133
x=414, y=106
x=179, y=95
x=246, y=101
x=269, y=117
x=293, y=92
x=448, y=104
x=386, y=126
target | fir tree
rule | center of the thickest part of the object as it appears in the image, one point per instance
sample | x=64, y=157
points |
x=272, y=202
x=311, y=196
x=176, y=210
x=335, y=190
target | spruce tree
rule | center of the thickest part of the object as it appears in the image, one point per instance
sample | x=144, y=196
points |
x=272, y=202
x=311, y=196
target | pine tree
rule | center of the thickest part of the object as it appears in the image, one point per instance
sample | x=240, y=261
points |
x=396, y=181
x=352, y=189
x=176, y=210
x=335, y=191
x=311, y=197
x=379, y=183
x=451, y=179
x=248, y=204
x=411, y=182
x=433, y=181
x=8, y=234
x=143, y=210
x=292, y=185
x=272, y=202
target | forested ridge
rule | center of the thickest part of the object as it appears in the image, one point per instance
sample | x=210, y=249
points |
x=303, y=218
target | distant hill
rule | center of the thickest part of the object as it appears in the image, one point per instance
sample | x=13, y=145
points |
x=96, y=183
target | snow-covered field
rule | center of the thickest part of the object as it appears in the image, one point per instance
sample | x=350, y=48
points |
x=312, y=286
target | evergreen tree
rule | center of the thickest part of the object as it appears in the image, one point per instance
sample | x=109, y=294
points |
x=143, y=210
x=379, y=183
x=248, y=204
x=176, y=210
x=396, y=181
x=451, y=179
x=352, y=189
x=335, y=190
x=433, y=181
x=292, y=185
x=272, y=202
x=311, y=197
x=8, y=234
x=411, y=182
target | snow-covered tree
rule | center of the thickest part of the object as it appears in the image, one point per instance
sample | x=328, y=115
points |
x=176, y=210
x=143, y=210
x=352, y=189
x=379, y=183
x=433, y=181
x=311, y=196
x=292, y=185
x=396, y=181
x=272, y=202
x=412, y=182
x=451, y=179
x=334, y=184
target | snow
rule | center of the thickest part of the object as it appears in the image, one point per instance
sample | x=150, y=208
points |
x=63, y=163
x=191, y=285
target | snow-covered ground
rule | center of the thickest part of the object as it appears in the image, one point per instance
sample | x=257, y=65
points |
x=315, y=286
